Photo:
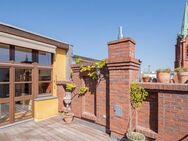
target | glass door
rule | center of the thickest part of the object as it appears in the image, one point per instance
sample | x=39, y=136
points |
x=4, y=96
x=23, y=94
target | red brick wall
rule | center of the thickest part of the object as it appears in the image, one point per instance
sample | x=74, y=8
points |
x=171, y=114
x=148, y=113
x=92, y=105
x=163, y=115
x=173, y=120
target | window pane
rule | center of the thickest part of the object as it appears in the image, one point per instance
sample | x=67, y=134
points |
x=4, y=74
x=44, y=88
x=23, y=89
x=4, y=52
x=23, y=74
x=4, y=113
x=4, y=90
x=23, y=55
x=44, y=75
x=45, y=58
x=23, y=109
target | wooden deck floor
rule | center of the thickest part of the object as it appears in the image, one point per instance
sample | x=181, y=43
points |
x=51, y=130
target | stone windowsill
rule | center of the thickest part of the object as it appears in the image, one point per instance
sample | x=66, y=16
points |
x=41, y=98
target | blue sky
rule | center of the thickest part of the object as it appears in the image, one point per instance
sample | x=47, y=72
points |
x=90, y=24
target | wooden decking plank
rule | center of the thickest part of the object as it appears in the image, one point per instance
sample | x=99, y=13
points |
x=92, y=132
x=53, y=129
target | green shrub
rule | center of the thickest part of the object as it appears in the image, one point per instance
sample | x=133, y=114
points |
x=137, y=94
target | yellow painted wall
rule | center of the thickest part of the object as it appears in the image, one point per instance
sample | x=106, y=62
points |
x=44, y=109
x=47, y=108
x=59, y=68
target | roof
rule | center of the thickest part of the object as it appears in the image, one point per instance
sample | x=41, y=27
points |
x=5, y=28
x=83, y=58
x=184, y=28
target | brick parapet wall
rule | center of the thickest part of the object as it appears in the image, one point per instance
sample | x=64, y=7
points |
x=164, y=115
x=165, y=87
x=92, y=106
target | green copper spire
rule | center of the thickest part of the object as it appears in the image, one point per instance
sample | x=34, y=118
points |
x=184, y=28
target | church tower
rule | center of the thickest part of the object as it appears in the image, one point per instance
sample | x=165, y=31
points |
x=181, y=52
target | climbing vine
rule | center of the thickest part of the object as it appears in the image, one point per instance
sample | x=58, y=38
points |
x=70, y=87
x=83, y=90
x=93, y=70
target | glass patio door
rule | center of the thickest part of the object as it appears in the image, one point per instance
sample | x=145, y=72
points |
x=4, y=96
x=23, y=94
x=16, y=98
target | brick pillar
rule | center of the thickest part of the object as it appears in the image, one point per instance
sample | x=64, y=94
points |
x=123, y=69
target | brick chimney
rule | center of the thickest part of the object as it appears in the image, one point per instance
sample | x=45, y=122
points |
x=121, y=50
x=123, y=69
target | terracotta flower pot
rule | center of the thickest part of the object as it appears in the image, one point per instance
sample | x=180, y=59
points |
x=182, y=77
x=163, y=77
x=146, y=79
x=68, y=117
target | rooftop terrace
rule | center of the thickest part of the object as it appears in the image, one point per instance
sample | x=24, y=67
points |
x=53, y=129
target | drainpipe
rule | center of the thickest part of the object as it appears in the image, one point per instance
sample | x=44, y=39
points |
x=69, y=62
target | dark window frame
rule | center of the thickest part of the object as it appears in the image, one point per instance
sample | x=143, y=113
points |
x=38, y=61
x=28, y=50
x=20, y=82
x=45, y=81
x=9, y=51
x=6, y=82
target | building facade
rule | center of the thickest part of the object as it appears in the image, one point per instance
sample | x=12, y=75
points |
x=181, y=47
x=30, y=66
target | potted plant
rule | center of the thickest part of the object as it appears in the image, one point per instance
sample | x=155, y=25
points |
x=137, y=96
x=163, y=75
x=146, y=78
x=67, y=114
x=182, y=74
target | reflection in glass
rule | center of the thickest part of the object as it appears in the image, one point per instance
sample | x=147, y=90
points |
x=23, y=109
x=23, y=89
x=44, y=58
x=44, y=75
x=44, y=88
x=4, y=52
x=23, y=74
x=4, y=113
x=4, y=74
x=4, y=91
x=23, y=55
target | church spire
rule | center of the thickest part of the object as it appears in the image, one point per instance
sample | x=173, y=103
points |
x=184, y=28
